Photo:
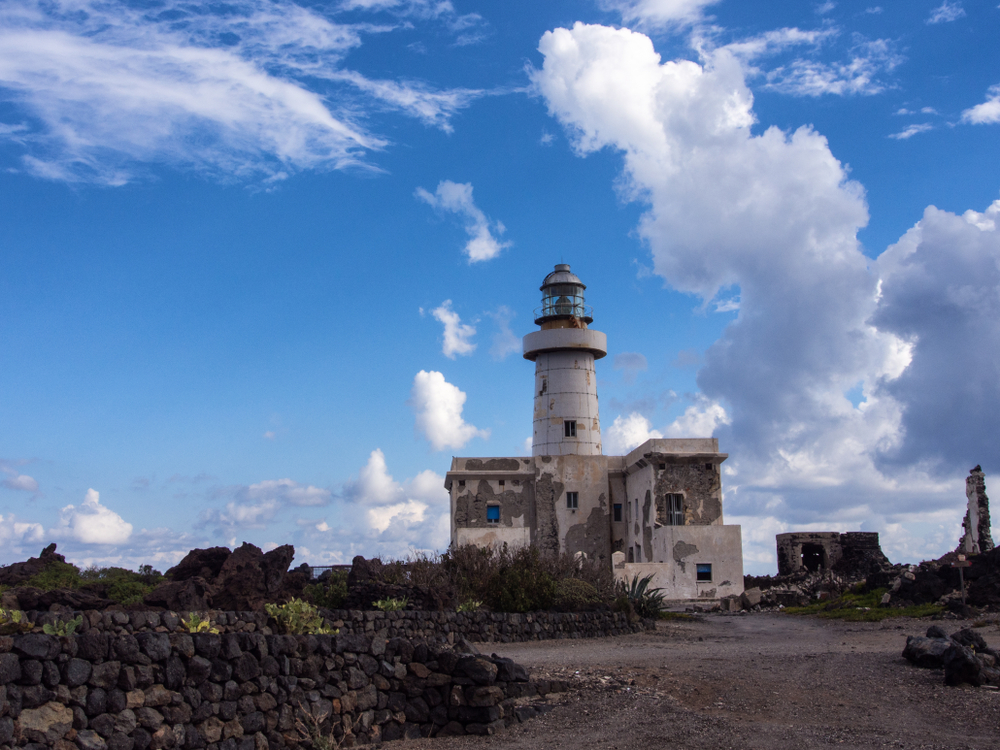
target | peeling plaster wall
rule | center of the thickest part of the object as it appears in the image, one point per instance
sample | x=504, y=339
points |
x=587, y=528
x=677, y=550
x=482, y=478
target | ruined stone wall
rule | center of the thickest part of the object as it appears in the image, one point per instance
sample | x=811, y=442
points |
x=247, y=691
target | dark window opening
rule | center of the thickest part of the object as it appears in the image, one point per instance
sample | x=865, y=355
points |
x=569, y=428
x=708, y=467
x=674, y=515
x=573, y=500
x=663, y=467
x=704, y=571
x=618, y=512
x=461, y=482
x=812, y=557
x=492, y=514
x=631, y=555
x=501, y=482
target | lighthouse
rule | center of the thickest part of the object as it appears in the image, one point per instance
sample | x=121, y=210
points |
x=657, y=510
x=564, y=349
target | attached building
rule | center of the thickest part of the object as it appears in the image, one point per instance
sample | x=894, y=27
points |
x=657, y=510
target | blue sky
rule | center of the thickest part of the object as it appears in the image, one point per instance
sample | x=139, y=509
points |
x=264, y=267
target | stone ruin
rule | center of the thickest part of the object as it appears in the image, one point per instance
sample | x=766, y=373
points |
x=815, y=551
x=976, y=524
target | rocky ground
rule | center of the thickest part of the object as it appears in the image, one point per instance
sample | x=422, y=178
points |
x=764, y=680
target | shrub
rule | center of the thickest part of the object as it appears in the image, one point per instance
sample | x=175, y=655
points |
x=62, y=627
x=645, y=601
x=469, y=605
x=298, y=618
x=391, y=604
x=56, y=575
x=521, y=583
x=574, y=595
x=330, y=592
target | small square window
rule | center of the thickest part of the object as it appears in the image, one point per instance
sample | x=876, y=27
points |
x=708, y=467
x=618, y=512
x=704, y=571
x=501, y=482
x=569, y=428
x=492, y=514
x=573, y=500
x=663, y=467
x=461, y=482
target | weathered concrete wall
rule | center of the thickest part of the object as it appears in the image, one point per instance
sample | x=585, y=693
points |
x=677, y=550
x=475, y=483
x=584, y=529
x=565, y=388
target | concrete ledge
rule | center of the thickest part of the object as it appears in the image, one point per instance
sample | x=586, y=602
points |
x=538, y=342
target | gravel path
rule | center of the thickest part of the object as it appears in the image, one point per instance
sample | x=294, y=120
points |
x=766, y=681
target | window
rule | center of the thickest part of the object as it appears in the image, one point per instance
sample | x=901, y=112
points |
x=704, y=572
x=708, y=467
x=461, y=482
x=501, y=482
x=673, y=510
x=663, y=467
x=492, y=514
x=569, y=428
x=618, y=512
x=573, y=500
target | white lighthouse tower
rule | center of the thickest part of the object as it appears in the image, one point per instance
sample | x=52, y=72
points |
x=566, y=419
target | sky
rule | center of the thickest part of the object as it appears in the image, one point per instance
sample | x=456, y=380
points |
x=265, y=266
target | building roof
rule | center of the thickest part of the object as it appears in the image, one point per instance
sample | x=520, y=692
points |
x=562, y=275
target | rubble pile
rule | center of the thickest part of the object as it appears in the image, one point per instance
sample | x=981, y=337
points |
x=964, y=656
x=936, y=581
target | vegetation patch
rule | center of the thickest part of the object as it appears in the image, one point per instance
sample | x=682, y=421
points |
x=858, y=606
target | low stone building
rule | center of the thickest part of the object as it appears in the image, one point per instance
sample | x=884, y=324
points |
x=829, y=550
x=657, y=510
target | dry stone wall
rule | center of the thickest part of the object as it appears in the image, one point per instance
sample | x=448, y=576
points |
x=248, y=691
x=488, y=627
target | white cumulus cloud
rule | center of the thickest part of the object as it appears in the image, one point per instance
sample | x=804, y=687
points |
x=438, y=407
x=627, y=433
x=93, y=523
x=773, y=219
x=457, y=338
x=987, y=113
x=456, y=198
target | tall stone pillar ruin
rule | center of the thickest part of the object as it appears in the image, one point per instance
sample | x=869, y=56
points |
x=977, y=537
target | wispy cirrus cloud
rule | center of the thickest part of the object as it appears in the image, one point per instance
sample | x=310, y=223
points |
x=456, y=198
x=252, y=91
x=912, y=130
x=945, y=13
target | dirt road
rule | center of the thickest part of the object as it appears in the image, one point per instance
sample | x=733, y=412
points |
x=766, y=681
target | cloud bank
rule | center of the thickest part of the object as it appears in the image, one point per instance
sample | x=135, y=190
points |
x=774, y=218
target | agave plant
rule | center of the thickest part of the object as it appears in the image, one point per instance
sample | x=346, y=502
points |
x=646, y=601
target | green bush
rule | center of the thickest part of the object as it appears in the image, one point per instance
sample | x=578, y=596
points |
x=195, y=623
x=575, y=594
x=857, y=606
x=298, y=618
x=521, y=583
x=330, y=592
x=56, y=575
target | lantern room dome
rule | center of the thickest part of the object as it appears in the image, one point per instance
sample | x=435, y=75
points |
x=562, y=299
x=562, y=275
